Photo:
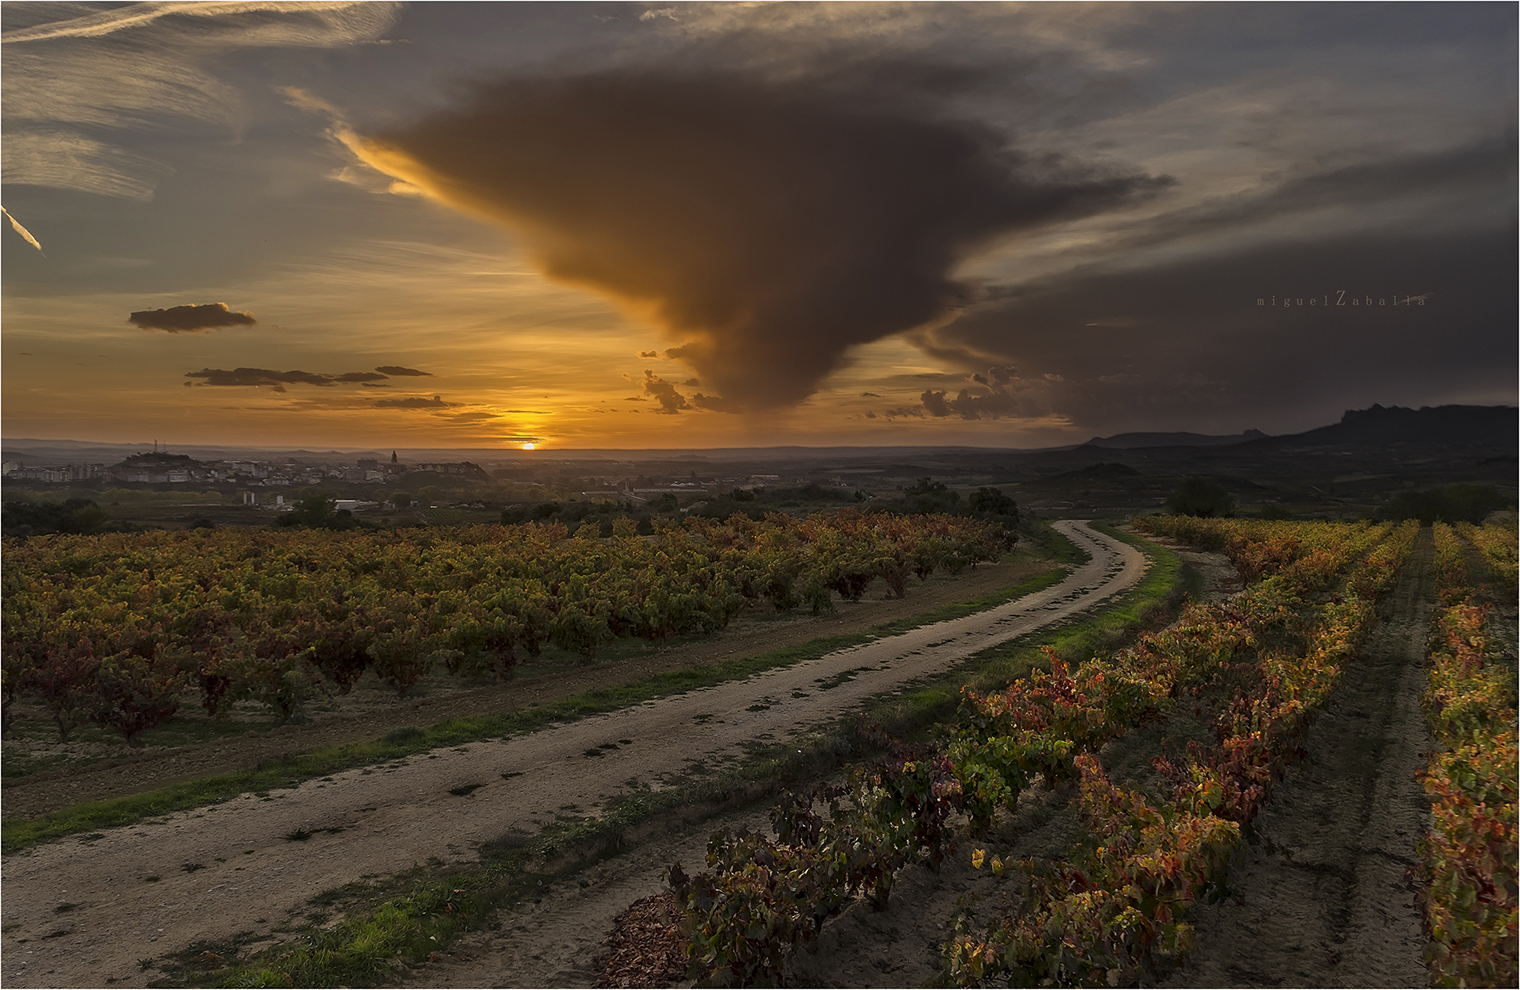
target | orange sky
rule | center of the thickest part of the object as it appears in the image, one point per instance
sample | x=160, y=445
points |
x=677, y=226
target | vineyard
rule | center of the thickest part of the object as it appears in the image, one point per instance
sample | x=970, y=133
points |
x=1470, y=859
x=1234, y=685
x=120, y=630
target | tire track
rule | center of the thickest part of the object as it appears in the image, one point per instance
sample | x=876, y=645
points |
x=294, y=844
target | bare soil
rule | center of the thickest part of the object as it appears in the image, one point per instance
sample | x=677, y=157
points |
x=87, y=911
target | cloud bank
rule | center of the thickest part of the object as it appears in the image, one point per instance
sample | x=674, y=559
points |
x=767, y=226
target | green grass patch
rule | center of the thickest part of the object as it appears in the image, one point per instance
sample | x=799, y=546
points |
x=16, y=835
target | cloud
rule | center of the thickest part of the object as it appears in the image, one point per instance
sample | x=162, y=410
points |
x=665, y=394
x=1001, y=393
x=26, y=235
x=766, y=224
x=413, y=402
x=190, y=318
x=1213, y=348
x=277, y=380
x=649, y=354
x=77, y=87
x=399, y=372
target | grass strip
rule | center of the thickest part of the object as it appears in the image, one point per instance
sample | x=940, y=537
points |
x=290, y=771
x=403, y=922
x=935, y=699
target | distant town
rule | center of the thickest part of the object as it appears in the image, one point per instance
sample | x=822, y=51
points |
x=161, y=468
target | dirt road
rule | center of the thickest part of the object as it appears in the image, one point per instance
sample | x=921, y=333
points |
x=150, y=889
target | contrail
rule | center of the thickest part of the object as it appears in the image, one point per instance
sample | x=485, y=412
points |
x=16, y=224
x=96, y=25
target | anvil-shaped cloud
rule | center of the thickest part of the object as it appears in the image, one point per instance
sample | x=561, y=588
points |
x=767, y=226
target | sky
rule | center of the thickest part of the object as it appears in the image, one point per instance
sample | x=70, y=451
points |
x=638, y=225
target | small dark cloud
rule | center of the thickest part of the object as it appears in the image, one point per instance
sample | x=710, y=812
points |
x=191, y=319
x=665, y=394
x=261, y=377
x=361, y=377
x=400, y=372
x=692, y=383
x=649, y=354
x=869, y=395
x=375, y=384
x=415, y=402
x=1000, y=392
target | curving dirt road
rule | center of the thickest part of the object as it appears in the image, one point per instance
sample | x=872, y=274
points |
x=153, y=888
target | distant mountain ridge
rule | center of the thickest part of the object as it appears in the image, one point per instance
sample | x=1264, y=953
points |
x=1462, y=425
x=1130, y=441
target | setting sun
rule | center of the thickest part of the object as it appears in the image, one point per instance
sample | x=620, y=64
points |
x=527, y=446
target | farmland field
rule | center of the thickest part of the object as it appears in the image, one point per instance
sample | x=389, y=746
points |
x=1152, y=804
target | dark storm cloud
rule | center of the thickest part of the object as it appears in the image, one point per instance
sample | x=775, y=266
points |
x=1000, y=392
x=1277, y=337
x=279, y=379
x=191, y=319
x=414, y=402
x=665, y=394
x=766, y=225
x=400, y=372
x=1473, y=181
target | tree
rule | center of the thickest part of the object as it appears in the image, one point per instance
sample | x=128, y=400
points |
x=1451, y=504
x=1202, y=497
x=993, y=502
x=401, y=499
x=927, y=495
